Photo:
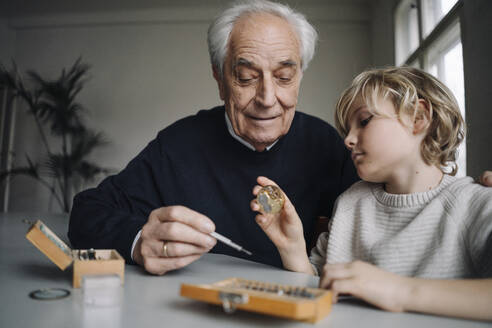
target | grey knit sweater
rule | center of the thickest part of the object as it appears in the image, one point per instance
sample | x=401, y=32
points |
x=443, y=233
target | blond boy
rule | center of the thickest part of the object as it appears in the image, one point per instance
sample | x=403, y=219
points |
x=410, y=236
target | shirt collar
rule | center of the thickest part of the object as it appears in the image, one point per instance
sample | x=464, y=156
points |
x=238, y=138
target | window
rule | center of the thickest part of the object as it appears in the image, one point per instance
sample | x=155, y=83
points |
x=406, y=30
x=428, y=36
x=432, y=13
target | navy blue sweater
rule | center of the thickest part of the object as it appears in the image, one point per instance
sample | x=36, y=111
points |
x=196, y=163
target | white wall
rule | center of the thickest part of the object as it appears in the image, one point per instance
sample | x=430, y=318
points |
x=7, y=40
x=344, y=51
x=382, y=35
x=150, y=68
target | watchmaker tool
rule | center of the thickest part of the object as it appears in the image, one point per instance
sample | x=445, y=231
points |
x=229, y=242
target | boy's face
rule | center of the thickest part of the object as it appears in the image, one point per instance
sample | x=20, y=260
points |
x=383, y=147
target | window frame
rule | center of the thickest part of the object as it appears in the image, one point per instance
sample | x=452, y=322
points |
x=446, y=41
x=440, y=29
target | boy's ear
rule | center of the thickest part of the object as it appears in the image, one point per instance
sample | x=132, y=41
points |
x=422, y=118
x=220, y=82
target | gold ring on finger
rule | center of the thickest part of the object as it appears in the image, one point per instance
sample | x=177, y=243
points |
x=164, y=249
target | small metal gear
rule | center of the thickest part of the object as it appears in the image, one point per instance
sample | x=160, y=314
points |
x=271, y=199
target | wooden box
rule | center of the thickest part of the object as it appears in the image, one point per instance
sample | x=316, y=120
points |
x=292, y=302
x=99, y=261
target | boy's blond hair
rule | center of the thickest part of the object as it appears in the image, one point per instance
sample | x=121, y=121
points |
x=404, y=86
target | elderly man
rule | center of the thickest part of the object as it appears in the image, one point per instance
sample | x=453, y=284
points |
x=197, y=175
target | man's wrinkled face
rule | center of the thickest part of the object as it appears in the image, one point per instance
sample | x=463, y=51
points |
x=261, y=78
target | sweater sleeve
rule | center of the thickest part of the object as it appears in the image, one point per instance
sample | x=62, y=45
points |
x=111, y=215
x=318, y=253
x=479, y=232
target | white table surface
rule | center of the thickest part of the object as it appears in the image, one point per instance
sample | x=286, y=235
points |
x=154, y=301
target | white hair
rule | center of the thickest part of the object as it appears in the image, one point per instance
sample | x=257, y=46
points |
x=220, y=29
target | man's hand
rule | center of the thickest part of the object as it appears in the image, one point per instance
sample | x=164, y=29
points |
x=285, y=230
x=172, y=238
x=486, y=179
x=383, y=289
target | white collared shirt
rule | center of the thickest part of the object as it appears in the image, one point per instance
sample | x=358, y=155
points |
x=238, y=138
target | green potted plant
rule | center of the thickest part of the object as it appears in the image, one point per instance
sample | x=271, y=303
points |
x=65, y=169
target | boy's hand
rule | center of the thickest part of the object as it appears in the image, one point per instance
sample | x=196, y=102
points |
x=285, y=230
x=383, y=289
x=486, y=179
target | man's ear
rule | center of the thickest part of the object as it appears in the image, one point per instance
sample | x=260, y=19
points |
x=220, y=82
x=422, y=117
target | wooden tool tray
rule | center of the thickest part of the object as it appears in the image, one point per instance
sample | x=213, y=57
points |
x=292, y=302
x=99, y=261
